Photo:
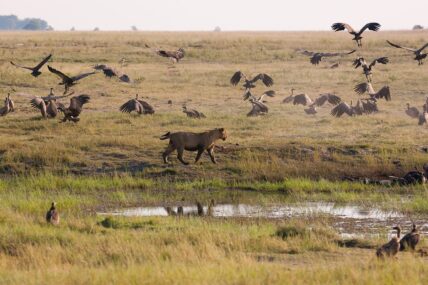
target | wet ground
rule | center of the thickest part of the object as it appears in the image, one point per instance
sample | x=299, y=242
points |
x=348, y=220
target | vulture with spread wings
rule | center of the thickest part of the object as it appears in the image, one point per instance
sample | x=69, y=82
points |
x=75, y=108
x=251, y=83
x=419, y=55
x=175, y=56
x=367, y=68
x=139, y=106
x=350, y=110
x=111, y=72
x=66, y=80
x=316, y=57
x=327, y=98
x=35, y=71
x=383, y=93
x=357, y=34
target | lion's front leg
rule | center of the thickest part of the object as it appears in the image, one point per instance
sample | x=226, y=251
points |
x=211, y=153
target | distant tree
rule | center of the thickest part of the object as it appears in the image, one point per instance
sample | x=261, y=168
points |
x=134, y=28
x=8, y=22
x=72, y=29
x=418, y=27
x=49, y=28
x=96, y=29
x=217, y=29
x=35, y=25
x=12, y=22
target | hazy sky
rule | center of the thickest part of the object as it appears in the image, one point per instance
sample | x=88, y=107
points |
x=228, y=14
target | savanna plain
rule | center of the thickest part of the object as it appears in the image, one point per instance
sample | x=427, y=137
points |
x=110, y=160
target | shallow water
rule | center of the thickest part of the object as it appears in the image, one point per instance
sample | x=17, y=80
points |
x=348, y=220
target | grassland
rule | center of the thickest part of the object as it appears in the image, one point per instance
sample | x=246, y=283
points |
x=109, y=160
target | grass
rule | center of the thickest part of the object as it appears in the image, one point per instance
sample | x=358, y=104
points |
x=111, y=160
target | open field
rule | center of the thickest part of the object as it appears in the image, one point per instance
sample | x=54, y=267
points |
x=111, y=160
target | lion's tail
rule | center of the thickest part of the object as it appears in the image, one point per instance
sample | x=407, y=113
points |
x=165, y=136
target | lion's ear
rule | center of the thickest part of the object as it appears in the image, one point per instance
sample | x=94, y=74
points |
x=221, y=129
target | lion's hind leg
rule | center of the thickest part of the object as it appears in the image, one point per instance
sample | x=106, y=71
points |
x=198, y=156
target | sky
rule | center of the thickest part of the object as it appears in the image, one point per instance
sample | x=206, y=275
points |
x=230, y=15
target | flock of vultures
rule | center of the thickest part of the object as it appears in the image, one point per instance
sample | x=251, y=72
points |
x=50, y=108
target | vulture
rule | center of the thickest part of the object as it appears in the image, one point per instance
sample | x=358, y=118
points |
x=175, y=56
x=75, y=108
x=367, y=68
x=419, y=56
x=139, y=106
x=191, y=113
x=110, y=72
x=68, y=81
x=410, y=240
x=369, y=106
x=258, y=104
x=48, y=105
x=300, y=99
x=52, y=216
x=391, y=248
x=344, y=108
x=316, y=57
x=259, y=108
x=423, y=118
x=249, y=95
x=412, y=112
x=413, y=177
x=35, y=71
x=170, y=211
x=250, y=83
x=8, y=106
x=311, y=110
x=327, y=97
x=364, y=87
x=357, y=35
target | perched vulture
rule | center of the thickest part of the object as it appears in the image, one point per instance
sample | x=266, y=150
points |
x=412, y=112
x=391, y=248
x=8, y=106
x=192, y=113
x=52, y=216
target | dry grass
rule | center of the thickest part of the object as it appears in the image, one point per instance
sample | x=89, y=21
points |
x=285, y=143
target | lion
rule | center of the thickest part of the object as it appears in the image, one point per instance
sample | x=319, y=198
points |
x=200, y=142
